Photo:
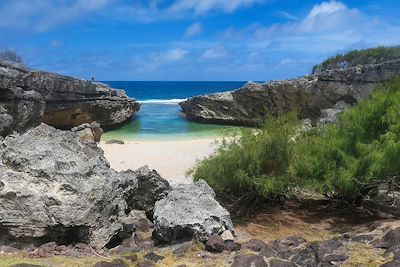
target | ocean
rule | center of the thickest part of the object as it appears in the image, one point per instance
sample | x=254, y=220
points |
x=160, y=116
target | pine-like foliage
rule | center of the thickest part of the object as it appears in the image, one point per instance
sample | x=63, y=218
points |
x=347, y=160
x=350, y=159
x=255, y=162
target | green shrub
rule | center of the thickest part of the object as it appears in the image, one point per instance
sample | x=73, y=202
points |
x=350, y=159
x=356, y=57
x=347, y=160
x=255, y=162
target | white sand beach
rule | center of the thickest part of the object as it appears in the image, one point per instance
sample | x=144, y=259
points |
x=172, y=159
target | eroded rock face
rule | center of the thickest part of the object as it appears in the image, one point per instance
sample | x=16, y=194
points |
x=89, y=132
x=29, y=97
x=190, y=210
x=308, y=95
x=53, y=187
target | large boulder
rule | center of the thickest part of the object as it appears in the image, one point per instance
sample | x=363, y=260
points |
x=53, y=187
x=29, y=97
x=308, y=95
x=190, y=211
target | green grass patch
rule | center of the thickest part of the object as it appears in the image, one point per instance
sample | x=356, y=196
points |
x=357, y=57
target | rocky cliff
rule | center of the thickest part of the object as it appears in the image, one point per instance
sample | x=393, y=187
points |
x=29, y=97
x=308, y=95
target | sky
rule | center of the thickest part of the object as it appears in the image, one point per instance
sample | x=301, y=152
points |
x=192, y=40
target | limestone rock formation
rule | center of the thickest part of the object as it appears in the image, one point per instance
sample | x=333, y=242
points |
x=53, y=187
x=89, y=132
x=29, y=97
x=308, y=95
x=190, y=210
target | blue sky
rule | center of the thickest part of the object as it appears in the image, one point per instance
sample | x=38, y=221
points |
x=192, y=40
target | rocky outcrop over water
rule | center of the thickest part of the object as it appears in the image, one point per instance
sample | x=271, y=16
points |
x=54, y=187
x=308, y=95
x=29, y=97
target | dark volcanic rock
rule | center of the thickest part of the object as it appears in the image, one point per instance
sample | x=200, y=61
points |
x=114, y=263
x=216, y=244
x=114, y=141
x=281, y=263
x=308, y=95
x=259, y=246
x=29, y=97
x=190, y=211
x=153, y=257
x=56, y=188
x=249, y=261
x=286, y=248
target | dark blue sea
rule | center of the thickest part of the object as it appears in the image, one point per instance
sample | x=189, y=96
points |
x=160, y=115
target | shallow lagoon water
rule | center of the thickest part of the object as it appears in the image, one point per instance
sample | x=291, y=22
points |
x=166, y=122
x=160, y=116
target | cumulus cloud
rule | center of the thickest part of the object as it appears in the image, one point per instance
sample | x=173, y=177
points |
x=329, y=26
x=194, y=29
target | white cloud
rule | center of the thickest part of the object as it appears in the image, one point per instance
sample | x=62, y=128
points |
x=175, y=54
x=41, y=15
x=214, y=53
x=194, y=29
x=203, y=6
x=326, y=8
x=288, y=16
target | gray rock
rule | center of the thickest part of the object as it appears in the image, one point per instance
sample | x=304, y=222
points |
x=180, y=249
x=57, y=188
x=29, y=97
x=152, y=187
x=331, y=115
x=259, y=246
x=190, y=211
x=281, y=263
x=114, y=141
x=114, y=263
x=153, y=257
x=249, y=261
x=308, y=95
x=215, y=243
x=89, y=132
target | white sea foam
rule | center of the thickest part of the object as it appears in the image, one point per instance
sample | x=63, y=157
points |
x=162, y=101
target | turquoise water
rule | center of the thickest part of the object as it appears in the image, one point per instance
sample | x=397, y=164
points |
x=160, y=116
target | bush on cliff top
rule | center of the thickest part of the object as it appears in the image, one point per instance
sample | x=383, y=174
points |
x=10, y=55
x=346, y=161
x=356, y=57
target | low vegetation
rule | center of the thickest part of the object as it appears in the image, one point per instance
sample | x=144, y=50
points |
x=10, y=55
x=356, y=57
x=346, y=161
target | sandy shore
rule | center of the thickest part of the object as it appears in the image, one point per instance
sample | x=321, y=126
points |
x=172, y=159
